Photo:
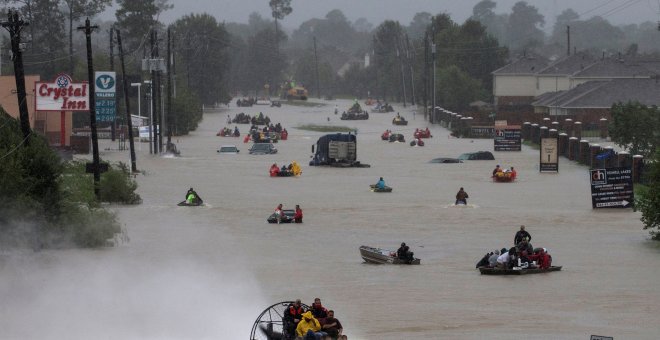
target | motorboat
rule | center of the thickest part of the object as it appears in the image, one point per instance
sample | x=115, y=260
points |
x=382, y=256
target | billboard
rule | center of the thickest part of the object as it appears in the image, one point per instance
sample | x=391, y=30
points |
x=105, y=96
x=549, y=161
x=61, y=95
x=611, y=188
x=507, y=138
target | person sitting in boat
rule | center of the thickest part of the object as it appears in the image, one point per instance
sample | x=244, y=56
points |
x=404, y=253
x=484, y=260
x=284, y=135
x=298, y=216
x=278, y=213
x=292, y=316
x=380, y=184
x=428, y=132
x=309, y=327
x=274, y=170
x=542, y=258
x=496, y=170
x=525, y=245
x=505, y=259
x=492, y=260
x=513, y=173
x=461, y=197
x=333, y=327
x=285, y=171
x=520, y=235
x=236, y=132
x=296, y=170
x=319, y=312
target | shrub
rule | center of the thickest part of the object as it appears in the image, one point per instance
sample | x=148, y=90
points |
x=117, y=186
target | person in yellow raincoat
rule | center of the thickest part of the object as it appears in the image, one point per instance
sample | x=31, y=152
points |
x=295, y=168
x=309, y=324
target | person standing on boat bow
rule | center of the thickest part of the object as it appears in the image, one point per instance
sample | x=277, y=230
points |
x=461, y=197
x=520, y=235
x=278, y=213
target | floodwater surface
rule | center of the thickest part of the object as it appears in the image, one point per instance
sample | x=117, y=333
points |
x=208, y=272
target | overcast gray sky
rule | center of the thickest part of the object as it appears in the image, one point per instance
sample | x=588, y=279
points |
x=616, y=11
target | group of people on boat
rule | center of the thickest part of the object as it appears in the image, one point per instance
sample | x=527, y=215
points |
x=398, y=120
x=267, y=133
x=279, y=214
x=521, y=256
x=293, y=169
x=500, y=174
x=227, y=132
x=315, y=323
x=422, y=133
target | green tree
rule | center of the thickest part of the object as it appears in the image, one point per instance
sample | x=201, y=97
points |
x=202, y=49
x=137, y=18
x=45, y=53
x=305, y=73
x=77, y=9
x=496, y=24
x=280, y=9
x=456, y=89
x=385, y=44
x=635, y=127
x=648, y=201
x=264, y=65
x=524, y=29
x=418, y=25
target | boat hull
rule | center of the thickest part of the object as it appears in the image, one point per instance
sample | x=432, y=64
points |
x=494, y=271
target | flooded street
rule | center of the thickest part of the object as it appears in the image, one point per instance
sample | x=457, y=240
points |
x=208, y=272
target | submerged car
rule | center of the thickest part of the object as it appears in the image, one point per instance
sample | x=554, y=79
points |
x=262, y=149
x=229, y=149
x=446, y=160
x=477, y=156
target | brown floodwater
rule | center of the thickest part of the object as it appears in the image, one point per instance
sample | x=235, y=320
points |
x=207, y=272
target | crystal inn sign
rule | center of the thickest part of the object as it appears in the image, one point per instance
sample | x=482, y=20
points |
x=62, y=95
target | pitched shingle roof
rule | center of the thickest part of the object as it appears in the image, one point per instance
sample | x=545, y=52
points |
x=569, y=65
x=526, y=65
x=612, y=68
x=602, y=94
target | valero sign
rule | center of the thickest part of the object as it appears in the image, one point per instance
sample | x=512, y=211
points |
x=61, y=95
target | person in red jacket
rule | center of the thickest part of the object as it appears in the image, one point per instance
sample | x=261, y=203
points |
x=542, y=258
x=274, y=170
x=298, y=216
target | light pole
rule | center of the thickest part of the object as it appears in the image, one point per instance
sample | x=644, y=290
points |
x=151, y=115
x=138, y=85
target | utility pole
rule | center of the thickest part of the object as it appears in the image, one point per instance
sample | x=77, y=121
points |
x=412, y=71
x=316, y=61
x=113, y=126
x=129, y=121
x=154, y=101
x=169, y=87
x=568, y=40
x=433, y=48
x=403, y=77
x=425, y=93
x=14, y=25
x=92, y=107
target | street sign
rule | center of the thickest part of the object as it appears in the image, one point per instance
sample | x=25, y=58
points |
x=89, y=167
x=549, y=161
x=611, y=188
x=105, y=84
x=507, y=138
